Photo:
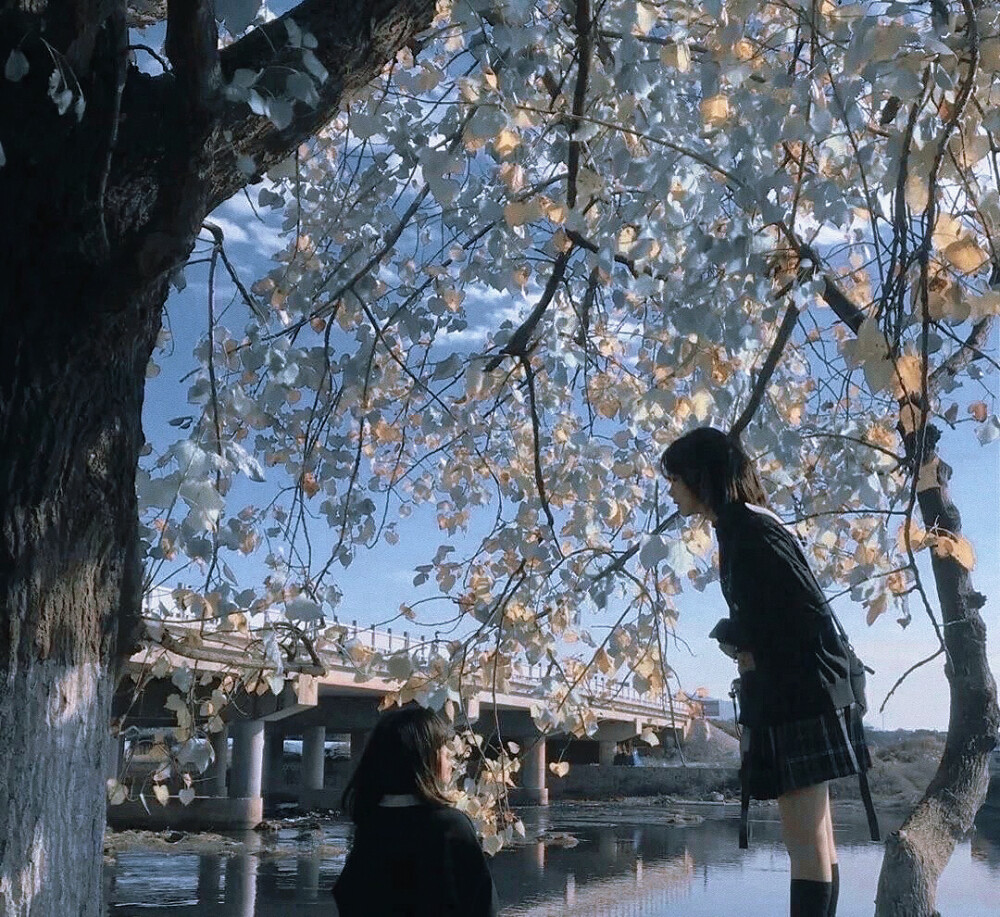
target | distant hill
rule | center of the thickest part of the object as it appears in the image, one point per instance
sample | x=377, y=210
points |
x=903, y=761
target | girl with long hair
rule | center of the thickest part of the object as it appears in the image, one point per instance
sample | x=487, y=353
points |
x=413, y=854
x=801, y=724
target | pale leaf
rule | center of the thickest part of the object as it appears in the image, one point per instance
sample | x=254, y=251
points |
x=966, y=255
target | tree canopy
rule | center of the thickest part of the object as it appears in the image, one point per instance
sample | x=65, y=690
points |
x=546, y=241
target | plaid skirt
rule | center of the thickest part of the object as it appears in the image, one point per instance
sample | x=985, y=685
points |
x=802, y=753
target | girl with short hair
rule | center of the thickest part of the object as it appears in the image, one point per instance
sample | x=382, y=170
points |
x=801, y=724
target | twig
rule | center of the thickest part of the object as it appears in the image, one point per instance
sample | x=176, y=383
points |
x=912, y=668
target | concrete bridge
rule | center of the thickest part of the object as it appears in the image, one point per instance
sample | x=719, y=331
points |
x=332, y=699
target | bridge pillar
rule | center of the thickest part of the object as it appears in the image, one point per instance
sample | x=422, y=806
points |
x=532, y=791
x=215, y=782
x=274, y=758
x=606, y=752
x=248, y=759
x=313, y=757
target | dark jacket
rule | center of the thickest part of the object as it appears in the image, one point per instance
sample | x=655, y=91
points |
x=416, y=861
x=778, y=612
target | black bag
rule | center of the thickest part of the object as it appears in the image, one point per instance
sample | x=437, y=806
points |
x=856, y=669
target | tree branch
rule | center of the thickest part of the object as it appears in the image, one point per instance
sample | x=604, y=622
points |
x=192, y=47
x=968, y=353
x=583, y=51
x=517, y=346
x=355, y=41
x=785, y=330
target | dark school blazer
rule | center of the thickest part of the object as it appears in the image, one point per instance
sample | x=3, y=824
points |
x=778, y=612
x=416, y=861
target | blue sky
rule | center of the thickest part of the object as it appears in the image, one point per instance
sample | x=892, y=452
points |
x=376, y=584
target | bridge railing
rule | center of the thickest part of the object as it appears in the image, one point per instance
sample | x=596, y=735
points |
x=595, y=688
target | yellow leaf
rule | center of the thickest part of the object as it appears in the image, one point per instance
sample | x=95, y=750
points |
x=957, y=547
x=909, y=371
x=506, y=142
x=702, y=402
x=876, y=607
x=986, y=304
x=555, y=212
x=918, y=537
x=946, y=230
x=603, y=662
x=979, y=410
x=161, y=793
x=517, y=213
x=559, y=768
x=916, y=192
x=676, y=55
x=966, y=255
x=645, y=17
x=715, y=110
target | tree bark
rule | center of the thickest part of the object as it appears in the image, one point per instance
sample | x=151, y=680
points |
x=916, y=854
x=101, y=202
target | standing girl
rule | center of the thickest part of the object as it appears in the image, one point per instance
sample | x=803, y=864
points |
x=413, y=855
x=801, y=724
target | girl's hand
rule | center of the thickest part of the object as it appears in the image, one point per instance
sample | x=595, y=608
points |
x=744, y=661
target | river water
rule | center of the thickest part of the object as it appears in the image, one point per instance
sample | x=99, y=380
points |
x=598, y=860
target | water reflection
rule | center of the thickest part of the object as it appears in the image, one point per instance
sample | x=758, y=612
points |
x=598, y=861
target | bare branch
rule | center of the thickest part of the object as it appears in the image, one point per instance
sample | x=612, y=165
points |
x=785, y=330
x=911, y=669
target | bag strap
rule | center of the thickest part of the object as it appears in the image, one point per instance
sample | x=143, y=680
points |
x=866, y=798
x=744, y=807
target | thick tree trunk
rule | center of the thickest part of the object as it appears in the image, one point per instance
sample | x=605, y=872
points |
x=71, y=386
x=917, y=854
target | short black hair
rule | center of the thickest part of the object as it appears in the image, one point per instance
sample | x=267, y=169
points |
x=715, y=468
x=400, y=758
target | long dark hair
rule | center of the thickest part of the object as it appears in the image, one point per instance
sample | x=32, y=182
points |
x=400, y=757
x=715, y=468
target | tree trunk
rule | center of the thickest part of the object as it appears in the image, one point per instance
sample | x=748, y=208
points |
x=918, y=852
x=71, y=385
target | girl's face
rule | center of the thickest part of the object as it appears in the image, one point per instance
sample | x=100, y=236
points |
x=687, y=503
x=446, y=764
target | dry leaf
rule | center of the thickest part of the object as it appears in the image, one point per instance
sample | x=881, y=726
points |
x=966, y=255
x=715, y=110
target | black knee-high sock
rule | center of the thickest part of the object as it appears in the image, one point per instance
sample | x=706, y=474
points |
x=831, y=911
x=809, y=898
